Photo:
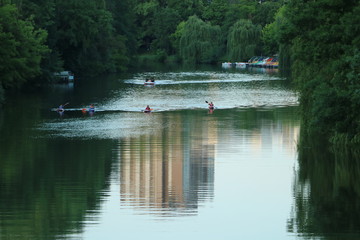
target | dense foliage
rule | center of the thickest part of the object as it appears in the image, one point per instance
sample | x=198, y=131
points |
x=21, y=48
x=242, y=40
x=97, y=36
x=40, y=37
x=323, y=40
x=199, y=41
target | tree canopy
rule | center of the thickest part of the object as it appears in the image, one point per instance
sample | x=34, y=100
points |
x=199, y=41
x=21, y=48
x=242, y=40
x=323, y=39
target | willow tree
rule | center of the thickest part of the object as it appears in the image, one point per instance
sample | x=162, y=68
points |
x=199, y=42
x=243, y=39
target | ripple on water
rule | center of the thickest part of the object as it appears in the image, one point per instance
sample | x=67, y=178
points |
x=121, y=116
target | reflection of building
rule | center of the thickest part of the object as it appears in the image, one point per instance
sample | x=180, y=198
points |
x=172, y=169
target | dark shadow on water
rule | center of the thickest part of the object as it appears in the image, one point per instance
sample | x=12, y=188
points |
x=326, y=191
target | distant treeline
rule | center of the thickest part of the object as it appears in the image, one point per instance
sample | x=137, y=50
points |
x=317, y=41
x=40, y=37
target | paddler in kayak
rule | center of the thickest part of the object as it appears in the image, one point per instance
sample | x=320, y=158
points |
x=211, y=106
x=61, y=107
x=147, y=109
x=92, y=108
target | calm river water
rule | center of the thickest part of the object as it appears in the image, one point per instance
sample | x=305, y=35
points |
x=180, y=172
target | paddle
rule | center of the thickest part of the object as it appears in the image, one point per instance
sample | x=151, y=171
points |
x=211, y=106
x=62, y=109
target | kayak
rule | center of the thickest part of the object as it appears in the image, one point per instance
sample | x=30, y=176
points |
x=147, y=111
x=149, y=83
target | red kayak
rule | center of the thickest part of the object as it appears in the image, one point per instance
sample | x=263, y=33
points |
x=149, y=83
x=147, y=110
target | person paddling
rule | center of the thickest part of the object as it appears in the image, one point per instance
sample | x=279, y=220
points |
x=61, y=107
x=92, y=108
x=211, y=105
x=147, y=109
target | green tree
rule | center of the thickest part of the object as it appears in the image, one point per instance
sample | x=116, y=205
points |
x=186, y=8
x=270, y=33
x=21, y=48
x=241, y=9
x=42, y=12
x=324, y=41
x=125, y=39
x=199, y=42
x=242, y=40
x=264, y=13
x=215, y=12
x=165, y=21
x=145, y=14
x=176, y=36
x=85, y=35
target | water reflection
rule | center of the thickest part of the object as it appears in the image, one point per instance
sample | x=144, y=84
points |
x=171, y=171
x=125, y=173
x=46, y=185
x=326, y=192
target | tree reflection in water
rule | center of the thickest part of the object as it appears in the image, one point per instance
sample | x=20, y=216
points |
x=326, y=191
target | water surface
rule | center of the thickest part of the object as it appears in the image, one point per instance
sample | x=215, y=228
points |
x=180, y=172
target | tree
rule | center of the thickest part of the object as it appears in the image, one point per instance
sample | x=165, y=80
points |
x=199, y=42
x=85, y=33
x=270, y=33
x=324, y=41
x=124, y=25
x=166, y=21
x=242, y=9
x=145, y=14
x=21, y=48
x=186, y=8
x=265, y=12
x=215, y=12
x=176, y=36
x=242, y=40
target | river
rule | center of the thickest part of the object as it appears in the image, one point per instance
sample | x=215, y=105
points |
x=179, y=172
